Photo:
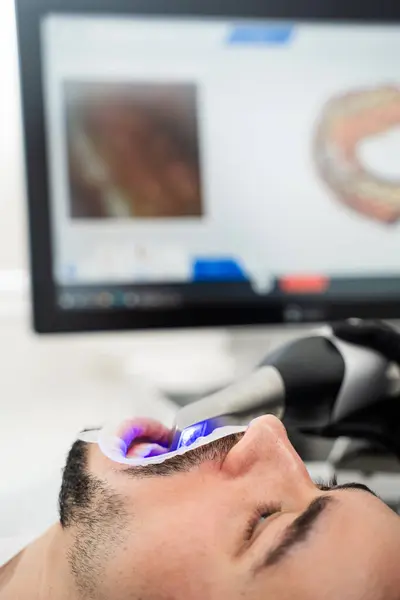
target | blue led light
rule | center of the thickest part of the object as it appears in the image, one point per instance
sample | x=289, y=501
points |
x=192, y=433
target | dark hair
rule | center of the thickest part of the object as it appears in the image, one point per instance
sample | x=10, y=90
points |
x=75, y=493
x=94, y=514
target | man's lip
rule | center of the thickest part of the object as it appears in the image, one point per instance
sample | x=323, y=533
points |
x=145, y=432
x=145, y=450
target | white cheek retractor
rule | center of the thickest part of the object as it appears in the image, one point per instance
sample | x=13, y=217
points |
x=141, y=442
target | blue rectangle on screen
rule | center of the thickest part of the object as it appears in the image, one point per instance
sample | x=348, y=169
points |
x=217, y=269
x=261, y=34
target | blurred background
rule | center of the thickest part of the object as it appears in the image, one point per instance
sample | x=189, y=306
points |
x=273, y=227
x=50, y=388
x=53, y=387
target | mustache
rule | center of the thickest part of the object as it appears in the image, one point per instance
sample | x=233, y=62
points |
x=215, y=451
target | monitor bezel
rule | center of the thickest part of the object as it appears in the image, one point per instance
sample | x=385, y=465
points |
x=47, y=316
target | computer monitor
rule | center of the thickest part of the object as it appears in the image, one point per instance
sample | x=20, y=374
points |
x=200, y=163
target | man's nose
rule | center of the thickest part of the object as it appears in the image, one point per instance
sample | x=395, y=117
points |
x=266, y=445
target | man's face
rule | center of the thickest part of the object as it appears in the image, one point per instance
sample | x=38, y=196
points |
x=243, y=520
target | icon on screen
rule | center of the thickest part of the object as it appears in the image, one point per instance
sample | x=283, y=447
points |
x=66, y=301
x=218, y=269
x=271, y=35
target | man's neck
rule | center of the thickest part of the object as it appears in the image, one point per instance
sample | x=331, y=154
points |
x=40, y=572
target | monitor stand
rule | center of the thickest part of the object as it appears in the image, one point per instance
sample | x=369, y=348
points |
x=185, y=366
x=182, y=366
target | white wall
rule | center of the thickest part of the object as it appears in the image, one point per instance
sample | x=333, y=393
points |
x=12, y=239
x=48, y=387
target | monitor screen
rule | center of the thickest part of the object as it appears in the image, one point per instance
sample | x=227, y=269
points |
x=220, y=161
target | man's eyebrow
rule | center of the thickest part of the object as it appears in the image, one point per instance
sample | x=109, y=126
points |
x=355, y=486
x=297, y=531
x=302, y=526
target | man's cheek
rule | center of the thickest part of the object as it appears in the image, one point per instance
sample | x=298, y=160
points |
x=182, y=570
